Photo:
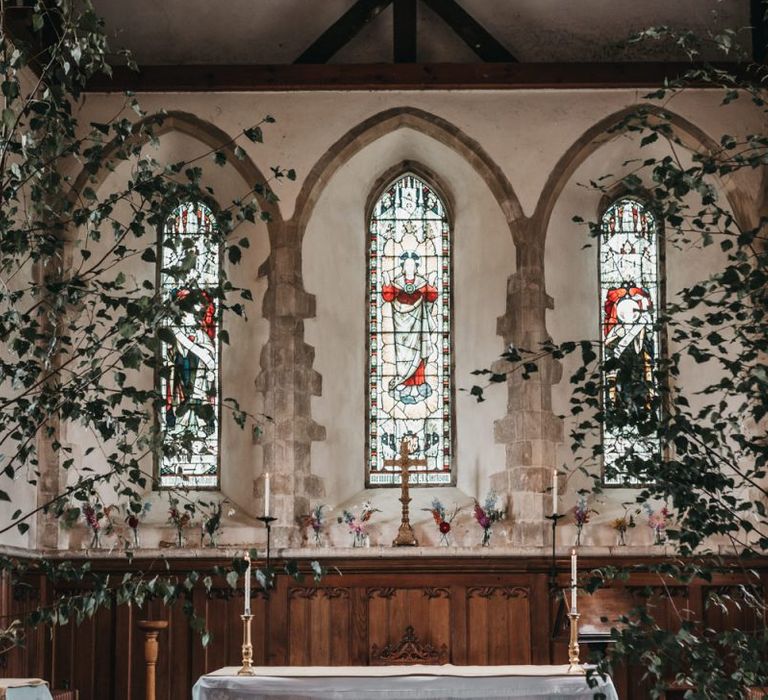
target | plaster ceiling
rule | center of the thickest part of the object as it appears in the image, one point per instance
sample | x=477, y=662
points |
x=277, y=31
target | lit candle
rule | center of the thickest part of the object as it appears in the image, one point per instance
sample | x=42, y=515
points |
x=247, y=592
x=266, y=495
x=573, y=581
x=554, y=492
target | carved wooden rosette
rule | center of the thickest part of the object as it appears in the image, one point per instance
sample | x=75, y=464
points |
x=408, y=651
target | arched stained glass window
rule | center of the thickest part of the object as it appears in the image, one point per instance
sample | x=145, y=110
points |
x=409, y=319
x=189, y=380
x=629, y=303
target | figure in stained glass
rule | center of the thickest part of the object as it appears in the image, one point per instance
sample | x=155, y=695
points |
x=629, y=299
x=189, y=382
x=409, y=345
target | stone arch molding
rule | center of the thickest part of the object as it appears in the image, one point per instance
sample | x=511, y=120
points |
x=431, y=125
x=156, y=125
x=686, y=132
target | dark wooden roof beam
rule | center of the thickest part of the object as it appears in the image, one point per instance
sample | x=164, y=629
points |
x=477, y=37
x=758, y=14
x=343, y=30
x=404, y=31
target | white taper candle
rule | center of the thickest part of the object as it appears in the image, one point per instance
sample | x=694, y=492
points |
x=247, y=592
x=554, y=492
x=573, y=582
x=266, y=495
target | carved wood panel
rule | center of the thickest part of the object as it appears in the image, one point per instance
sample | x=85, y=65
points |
x=320, y=626
x=426, y=609
x=498, y=625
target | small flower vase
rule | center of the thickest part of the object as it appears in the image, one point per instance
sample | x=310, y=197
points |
x=358, y=539
x=445, y=539
x=486, y=537
x=318, y=538
x=213, y=538
x=659, y=539
x=621, y=540
x=579, y=528
x=180, y=541
x=136, y=543
x=95, y=540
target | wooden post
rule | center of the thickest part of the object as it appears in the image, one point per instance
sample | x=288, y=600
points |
x=151, y=629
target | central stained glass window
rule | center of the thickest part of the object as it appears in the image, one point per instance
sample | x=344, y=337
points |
x=409, y=349
x=629, y=303
x=189, y=382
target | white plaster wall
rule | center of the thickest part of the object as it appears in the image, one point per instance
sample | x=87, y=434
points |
x=241, y=459
x=334, y=270
x=526, y=133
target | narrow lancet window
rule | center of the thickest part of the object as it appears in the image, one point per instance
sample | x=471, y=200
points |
x=629, y=303
x=409, y=345
x=189, y=377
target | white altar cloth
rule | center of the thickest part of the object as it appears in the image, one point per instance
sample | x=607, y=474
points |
x=24, y=689
x=399, y=682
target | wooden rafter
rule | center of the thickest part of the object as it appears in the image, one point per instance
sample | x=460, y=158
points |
x=404, y=31
x=343, y=30
x=404, y=76
x=477, y=37
x=758, y=11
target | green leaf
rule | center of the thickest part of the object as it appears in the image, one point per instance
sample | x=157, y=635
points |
x=232, y=577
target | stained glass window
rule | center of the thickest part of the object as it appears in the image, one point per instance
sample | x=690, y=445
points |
x=189, y=380
x=409, y=318
x=629, y=302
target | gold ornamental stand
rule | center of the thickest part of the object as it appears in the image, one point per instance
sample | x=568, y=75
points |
x=247, y=669
x=573, y=645
x=405, y=535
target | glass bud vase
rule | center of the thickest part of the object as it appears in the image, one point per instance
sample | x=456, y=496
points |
x=621, y=539
x=180, y=541
x=486, y=537
x=95, y=540
x=577, y=543
x=318, y=538
x=358, y=539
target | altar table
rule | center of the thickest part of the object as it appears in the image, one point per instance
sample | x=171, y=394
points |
x=399, y=682
x=24, y=689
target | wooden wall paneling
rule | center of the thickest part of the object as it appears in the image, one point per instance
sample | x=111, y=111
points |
x=320, y=626
x=359, y=628
x=105, y=659
x=499, y=625
x=124, y=632
x=541, y=618
x=278, y=629
x=458, y=628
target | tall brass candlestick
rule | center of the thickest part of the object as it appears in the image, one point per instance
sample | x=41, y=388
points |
x=247, y=669
x=573, y=645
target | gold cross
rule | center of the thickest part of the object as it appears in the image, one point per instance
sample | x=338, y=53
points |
x=405, y=536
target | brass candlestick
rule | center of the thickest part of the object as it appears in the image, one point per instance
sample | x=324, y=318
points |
x=247, y=669
x=573, y=645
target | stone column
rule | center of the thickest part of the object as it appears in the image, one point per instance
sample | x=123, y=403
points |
x=288, y=383
x=530, y=431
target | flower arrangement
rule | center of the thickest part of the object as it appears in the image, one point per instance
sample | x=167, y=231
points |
x=180, y=518
x=211, y=524
x=442, y=519
x=581, y=515
x=316, y=521
x=92, y=514
x=136, y=513
x=621, y=525
x=486, y=515
x=657, y=521
x=358, y=524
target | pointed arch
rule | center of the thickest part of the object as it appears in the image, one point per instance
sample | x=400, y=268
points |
x=208, y=134
x=425, y=123
x=689, y=135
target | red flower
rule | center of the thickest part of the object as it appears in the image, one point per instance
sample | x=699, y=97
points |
x=133, y=522
x=445, y=527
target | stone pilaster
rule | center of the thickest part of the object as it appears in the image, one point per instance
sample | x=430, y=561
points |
x=288, y=383
x=530, y=431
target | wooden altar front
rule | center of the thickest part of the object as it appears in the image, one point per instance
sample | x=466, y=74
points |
x=467, y=610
